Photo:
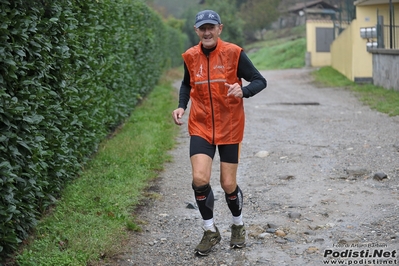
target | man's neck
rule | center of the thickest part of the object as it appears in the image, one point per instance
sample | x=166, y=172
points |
x=207, y=51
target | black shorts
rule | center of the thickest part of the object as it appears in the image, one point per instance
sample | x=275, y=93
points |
x=229, y=153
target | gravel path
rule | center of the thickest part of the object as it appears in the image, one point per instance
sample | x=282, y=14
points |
x=319, y=172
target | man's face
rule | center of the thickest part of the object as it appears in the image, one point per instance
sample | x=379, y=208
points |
x=209, y=34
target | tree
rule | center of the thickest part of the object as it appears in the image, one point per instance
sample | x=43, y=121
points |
x=258, y=15
x=240, y=3
x=233, y=24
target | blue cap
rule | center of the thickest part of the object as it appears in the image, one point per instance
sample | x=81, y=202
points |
x=207, y=17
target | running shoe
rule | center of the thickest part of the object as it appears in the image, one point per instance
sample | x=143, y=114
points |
x=207, y=242
x=237, y=236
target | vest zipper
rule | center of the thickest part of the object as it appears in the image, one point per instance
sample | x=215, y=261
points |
x=210, y=98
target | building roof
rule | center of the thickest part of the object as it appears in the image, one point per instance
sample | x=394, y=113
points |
x=312, y=4
x=373, y=2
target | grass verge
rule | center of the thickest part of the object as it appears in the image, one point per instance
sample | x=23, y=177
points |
x=96, y=211
x=280, y=54
x=378, y=98
x=279, y=49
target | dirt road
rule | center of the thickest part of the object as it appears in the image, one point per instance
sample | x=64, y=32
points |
x=312, y=171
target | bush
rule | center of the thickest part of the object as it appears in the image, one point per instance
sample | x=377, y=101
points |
x=71, y=72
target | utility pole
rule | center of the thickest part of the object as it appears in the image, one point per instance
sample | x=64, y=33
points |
x=390, y=24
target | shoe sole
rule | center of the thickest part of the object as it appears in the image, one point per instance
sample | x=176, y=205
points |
x=237, y=245
x=202, y=254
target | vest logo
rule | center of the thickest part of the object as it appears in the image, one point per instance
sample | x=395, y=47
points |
x=199, y=73
x=218, y=67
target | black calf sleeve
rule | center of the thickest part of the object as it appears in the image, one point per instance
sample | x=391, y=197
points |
x=234, y=201
x=205, y=200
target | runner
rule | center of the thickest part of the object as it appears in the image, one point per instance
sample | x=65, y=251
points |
x=213, y=73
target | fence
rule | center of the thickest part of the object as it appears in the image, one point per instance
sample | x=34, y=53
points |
x=390, y=37
x=387, y=35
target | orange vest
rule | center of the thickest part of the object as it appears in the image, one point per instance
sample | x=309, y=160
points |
x=214, y=116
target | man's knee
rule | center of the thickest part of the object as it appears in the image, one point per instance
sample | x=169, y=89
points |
x=229, y=186
x=200, y=177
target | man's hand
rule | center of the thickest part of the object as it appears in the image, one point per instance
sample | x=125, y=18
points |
x=177, y=114
x=234, y=90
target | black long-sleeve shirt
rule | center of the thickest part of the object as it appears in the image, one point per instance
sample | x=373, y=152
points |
x=246, y=70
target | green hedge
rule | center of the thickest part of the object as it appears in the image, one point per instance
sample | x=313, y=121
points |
x=70, y=72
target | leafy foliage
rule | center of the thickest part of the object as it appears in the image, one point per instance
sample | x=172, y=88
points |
x=258, y=15
x=173, y=7
x=71, y=71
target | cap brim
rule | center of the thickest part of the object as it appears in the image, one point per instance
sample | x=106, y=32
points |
x=199, y=24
